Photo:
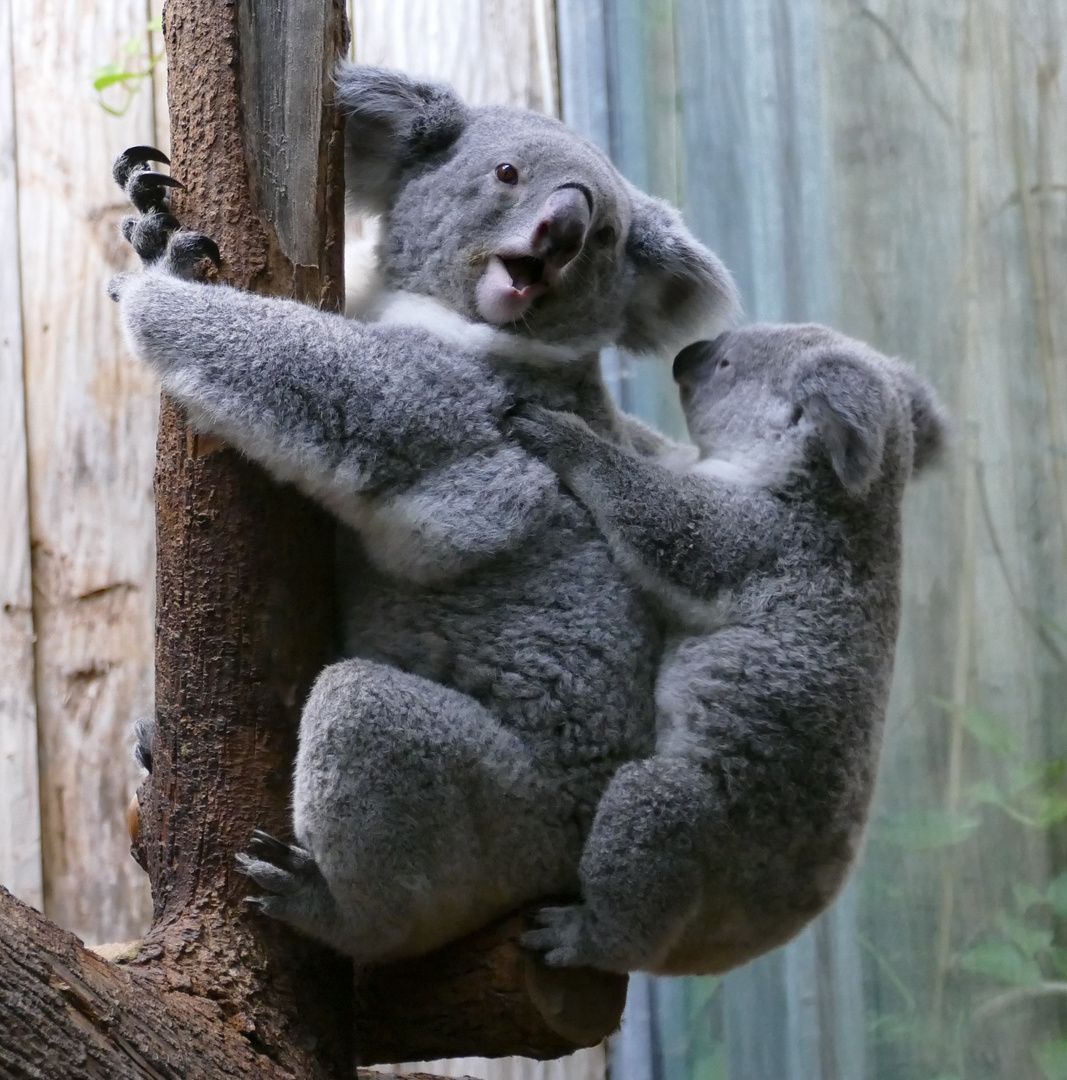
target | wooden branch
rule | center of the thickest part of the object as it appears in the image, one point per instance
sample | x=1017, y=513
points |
x=484, y=996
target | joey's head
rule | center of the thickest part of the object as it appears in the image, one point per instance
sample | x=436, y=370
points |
x=510, y=219
x=769, y=402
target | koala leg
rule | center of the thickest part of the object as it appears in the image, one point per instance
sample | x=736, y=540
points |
x=642, y=871
x=420, y=814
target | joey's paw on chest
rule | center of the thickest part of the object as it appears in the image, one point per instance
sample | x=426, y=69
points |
x=557, y=437
x=561, y=934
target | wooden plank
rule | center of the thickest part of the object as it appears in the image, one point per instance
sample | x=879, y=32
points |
x=20, y=815
x=91, y=418
x=494, y=52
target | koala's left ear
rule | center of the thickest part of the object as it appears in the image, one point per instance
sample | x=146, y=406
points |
x=849, y=403
x=682, y=291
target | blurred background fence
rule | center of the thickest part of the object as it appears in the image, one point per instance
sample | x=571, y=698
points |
x=895, y=167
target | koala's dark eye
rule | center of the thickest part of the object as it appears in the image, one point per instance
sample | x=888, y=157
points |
x=723, y=364
x=606, y=235
x=795, y=417
x=506, y=173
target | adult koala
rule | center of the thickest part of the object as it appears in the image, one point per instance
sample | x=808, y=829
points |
x=502, y=665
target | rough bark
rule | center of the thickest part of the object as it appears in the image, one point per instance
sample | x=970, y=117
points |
x=244, y=622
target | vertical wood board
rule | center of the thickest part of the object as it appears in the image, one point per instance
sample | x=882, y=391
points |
x=20, y=811
x=91, y=416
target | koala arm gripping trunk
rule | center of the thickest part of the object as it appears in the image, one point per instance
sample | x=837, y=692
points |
x=341, y=408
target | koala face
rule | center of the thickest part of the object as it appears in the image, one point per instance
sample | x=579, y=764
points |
x=511, y=219
x=776, y=401
x=522, y=226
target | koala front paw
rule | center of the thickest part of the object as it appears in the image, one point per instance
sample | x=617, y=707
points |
x=562, y=936
x=156, y=234
x=557, y=437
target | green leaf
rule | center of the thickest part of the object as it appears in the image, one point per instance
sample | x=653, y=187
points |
x=133, y=47
x=1028, y=896
x=992, y=731
x=155, y=26
x=925, y=830
x=1050, y=810
x=104, y=81
x=1052, y=1057
x=1028, y=939
x=1056, y=895
x=1002, y=961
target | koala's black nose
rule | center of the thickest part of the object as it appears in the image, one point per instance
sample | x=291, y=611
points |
x=560, y=234
x=694, y=356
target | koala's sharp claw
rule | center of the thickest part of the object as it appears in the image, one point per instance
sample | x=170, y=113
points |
x=147, y=191
x=148, y=235
x=135, y=159
x=187, y=249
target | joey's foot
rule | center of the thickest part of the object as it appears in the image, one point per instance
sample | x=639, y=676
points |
x=557, y=437
x=561, y=934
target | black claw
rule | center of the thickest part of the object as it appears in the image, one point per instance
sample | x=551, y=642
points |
x=186, y=250
x=135, y=159
x=147, y=191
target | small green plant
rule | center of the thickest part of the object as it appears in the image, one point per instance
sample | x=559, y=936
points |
x=1013, y=956
x=117, y=84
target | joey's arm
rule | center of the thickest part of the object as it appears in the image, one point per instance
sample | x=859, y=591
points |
x=691, y=533
x=646, y=442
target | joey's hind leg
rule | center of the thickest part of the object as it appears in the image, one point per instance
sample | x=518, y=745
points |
x=642, y=871
x=424, y=818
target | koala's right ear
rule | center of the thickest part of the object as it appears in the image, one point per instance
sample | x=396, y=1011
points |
x=849, y=403
x=391, y=122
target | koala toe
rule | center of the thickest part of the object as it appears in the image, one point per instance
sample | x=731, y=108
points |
x=149, y=235
x=187, y=250
x=560, y=935
x=148, y=191
x=135, y=159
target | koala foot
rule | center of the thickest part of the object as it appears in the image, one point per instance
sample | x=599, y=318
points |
x=295, y=890
x=562, y=936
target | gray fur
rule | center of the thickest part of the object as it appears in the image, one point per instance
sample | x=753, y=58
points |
x=502, y=665
x=775, y=557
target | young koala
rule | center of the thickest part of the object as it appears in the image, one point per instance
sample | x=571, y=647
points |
x=775, y=556
x=501, y=664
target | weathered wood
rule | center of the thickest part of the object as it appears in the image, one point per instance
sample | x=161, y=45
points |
x=91, y=415
x=20, y=817
x=494, y=52
x=244, y=588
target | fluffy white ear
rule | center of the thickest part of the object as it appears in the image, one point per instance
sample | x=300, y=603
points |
x=849, y=403
x=682, y=291
x=391, y=122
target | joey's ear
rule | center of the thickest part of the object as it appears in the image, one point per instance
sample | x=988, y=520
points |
x=391, y=122
x=849, y=402
x=930, y=425
x=682, y=291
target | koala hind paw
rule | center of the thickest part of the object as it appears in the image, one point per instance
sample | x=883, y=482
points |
x=560, y=935
x=280, y=869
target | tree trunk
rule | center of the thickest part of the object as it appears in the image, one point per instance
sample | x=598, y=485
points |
x=245, y=621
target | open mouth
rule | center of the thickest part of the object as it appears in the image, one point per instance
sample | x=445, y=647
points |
x=510, y=284
x=525, y=272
